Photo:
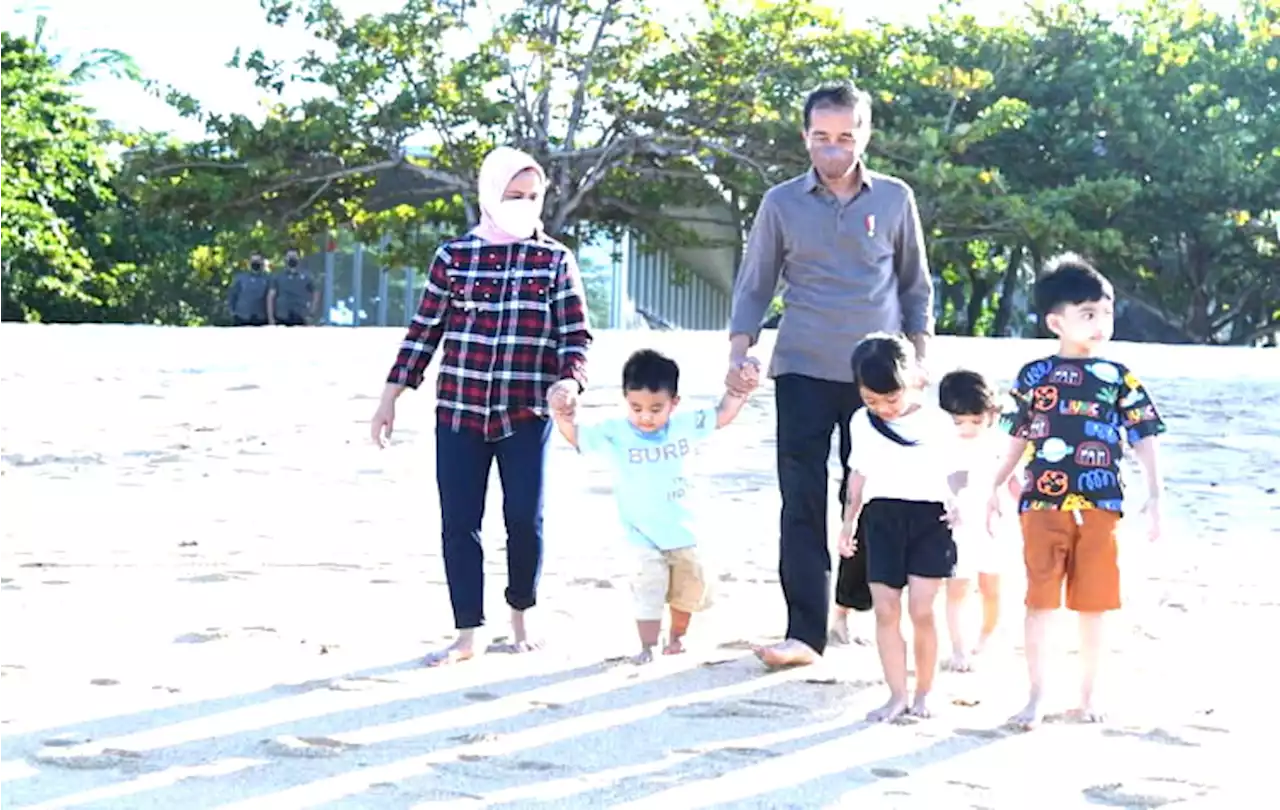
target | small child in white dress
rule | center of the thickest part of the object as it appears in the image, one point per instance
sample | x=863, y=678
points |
x=972, y=404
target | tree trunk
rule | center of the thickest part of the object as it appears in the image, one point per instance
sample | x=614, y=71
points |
x=1008, y=285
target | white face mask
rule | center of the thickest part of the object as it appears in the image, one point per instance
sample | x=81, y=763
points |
x=518, y=217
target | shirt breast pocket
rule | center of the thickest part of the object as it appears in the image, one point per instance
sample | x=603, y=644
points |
x=523, y=297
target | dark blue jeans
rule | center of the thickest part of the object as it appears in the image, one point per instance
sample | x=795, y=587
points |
x=463, y=461
x=809, y=410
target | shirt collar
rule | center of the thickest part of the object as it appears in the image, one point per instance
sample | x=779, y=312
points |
x=812, y=181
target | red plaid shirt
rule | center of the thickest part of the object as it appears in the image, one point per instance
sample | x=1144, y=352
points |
x=511, y=320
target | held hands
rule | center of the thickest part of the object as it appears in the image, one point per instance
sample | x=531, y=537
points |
x=847, y=544
x=993, y=511
x=562, y=398
x=743, y=376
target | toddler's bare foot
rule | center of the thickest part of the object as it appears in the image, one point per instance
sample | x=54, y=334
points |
x=838, y=634
x=674, y=647
x=461, y=650
x=1030, y=716
x=920, y=706
x=1087, y=712
x=958, y=662
x=982, y=645
x=895, y=708
x=789, y=653
x=645, y=656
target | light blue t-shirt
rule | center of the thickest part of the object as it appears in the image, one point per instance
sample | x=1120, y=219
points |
x=650, y=484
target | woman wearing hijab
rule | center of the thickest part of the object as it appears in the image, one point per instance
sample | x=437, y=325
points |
x=504, y=305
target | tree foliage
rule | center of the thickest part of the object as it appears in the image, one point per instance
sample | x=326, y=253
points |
x=1147, y=139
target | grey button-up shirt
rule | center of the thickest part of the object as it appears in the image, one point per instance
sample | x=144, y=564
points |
x=849, y=269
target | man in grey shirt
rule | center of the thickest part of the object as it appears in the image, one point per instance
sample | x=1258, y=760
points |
x=847, y=242
x=247, y=298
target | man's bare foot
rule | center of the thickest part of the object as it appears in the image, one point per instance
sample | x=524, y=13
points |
x=463, y=649
x=895, y=708
x=789, y=653
x=645, y=656
x=674, y=647
x=1030, y=716
x=920, y=706
x=958, y=662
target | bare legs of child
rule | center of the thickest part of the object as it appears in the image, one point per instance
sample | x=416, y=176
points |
x=922, y=595
x=840, y=633
x=957, y=595
x=1091, y=654
x=651, y=630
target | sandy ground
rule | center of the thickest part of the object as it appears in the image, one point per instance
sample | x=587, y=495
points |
x=216, y=594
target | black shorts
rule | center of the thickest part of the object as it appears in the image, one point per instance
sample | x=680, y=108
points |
x=292, y=320
x=906, y=539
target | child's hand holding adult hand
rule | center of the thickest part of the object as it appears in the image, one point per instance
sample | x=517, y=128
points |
x=847, y=544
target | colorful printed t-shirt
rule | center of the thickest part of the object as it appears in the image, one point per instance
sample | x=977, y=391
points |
x=650, y=482
x=1076, y=414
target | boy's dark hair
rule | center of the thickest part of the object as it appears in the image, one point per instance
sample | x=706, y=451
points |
x=966, y=393
x=647, y=370
x=836, y=96
x=880, y=363
x=1069, y=279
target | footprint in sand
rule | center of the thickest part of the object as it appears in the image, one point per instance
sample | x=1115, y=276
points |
x=54, y=582
x=104, y=682
x=212, y=634
x=290, y=746
x=1156, y=735
x=202, y=579
x=480, y=696
x=66, y=740
x=245, y=387
x=716, y=710
x=603, y=584
x=889, y=773
x=1165, y=791
x=473, y=738
x=86, y=758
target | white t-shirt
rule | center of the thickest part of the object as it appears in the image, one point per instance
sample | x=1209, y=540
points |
x=907, y=473
x=980, y=458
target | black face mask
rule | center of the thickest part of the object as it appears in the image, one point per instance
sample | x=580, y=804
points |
x=293, y=263
x=255, y=265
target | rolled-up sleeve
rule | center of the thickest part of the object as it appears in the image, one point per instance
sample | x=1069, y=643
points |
x=911, y=264
x=570, y=308
x=761, y=266
x=425, y=330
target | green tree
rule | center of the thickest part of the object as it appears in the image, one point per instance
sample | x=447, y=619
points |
x=55, y=180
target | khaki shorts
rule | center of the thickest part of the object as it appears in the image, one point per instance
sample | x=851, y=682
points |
x=1079, y=547
x=673, y=578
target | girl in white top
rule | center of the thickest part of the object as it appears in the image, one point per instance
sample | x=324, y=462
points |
x=971, y=402
x=904, y=453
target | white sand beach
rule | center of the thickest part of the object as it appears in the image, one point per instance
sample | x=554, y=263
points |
x=216, y=594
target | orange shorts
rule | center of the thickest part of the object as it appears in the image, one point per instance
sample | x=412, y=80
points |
x=1079, y=547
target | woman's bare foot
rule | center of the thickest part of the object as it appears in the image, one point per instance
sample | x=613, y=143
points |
x=645, y=656
x=463, y=649
x=789, y=653
x=1031, y=715
x=675, y=646
x=895, y=708
x=920, y=706
x=522, y=640
x=958, y=662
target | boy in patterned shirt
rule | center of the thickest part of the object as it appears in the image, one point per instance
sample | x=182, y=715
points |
x=1075, y=410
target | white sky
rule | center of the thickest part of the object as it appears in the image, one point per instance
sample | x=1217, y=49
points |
x=188, y=44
